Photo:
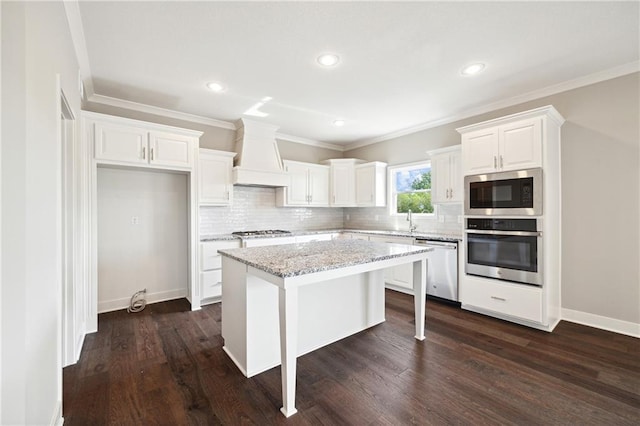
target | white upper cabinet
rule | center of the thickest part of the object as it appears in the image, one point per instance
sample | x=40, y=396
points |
x=521, y=145
x=342, y=182
x=214, y=177
x=318, y=185
x=513, y=145
x=308, y=185
x=131, y=142
x=168, y=149
x=371, y=184
x=446, y=175
x=121, y=143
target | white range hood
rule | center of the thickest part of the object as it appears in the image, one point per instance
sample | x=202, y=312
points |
x=258, y=161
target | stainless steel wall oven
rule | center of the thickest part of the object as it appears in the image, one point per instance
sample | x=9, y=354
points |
x=505, y=249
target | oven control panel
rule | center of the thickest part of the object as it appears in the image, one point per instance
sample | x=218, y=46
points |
x=487, y=224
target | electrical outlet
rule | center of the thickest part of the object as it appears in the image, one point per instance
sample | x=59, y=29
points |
x=459, y=218
x=348, y=216
x=135, y=220
x=441, y=219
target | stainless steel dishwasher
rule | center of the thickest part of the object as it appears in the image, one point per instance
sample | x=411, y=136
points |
x=443, y=268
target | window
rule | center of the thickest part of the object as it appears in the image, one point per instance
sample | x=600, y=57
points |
x=410, y=188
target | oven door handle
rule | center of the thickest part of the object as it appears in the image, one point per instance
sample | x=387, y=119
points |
x=514, y=233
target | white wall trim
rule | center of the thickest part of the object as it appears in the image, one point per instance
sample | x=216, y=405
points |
x=604, y=323
x=72, y=10
x=150, y=109
x=161, y=296
x=305, y=141
x=609, y=74
x=56, y=419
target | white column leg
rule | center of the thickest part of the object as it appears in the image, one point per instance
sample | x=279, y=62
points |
x=288, y=347
x=420, y=277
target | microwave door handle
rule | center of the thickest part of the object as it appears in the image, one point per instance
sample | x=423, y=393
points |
x=514, y=233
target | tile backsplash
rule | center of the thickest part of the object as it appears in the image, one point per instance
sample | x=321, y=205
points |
x=447, y=219
x=255, y=208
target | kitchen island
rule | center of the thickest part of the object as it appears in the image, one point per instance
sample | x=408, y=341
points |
x=283, y=301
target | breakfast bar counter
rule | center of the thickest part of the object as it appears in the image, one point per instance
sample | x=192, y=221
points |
x=280, y=302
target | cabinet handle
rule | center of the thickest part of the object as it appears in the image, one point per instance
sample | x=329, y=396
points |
x=447, y=194
x=495, y=162
x=151, y=157
x=451, y=193
x=144, y=154
x=498, y=298
x=218, y=283
x=371, y=197
x=501, y=162
x=334, y=199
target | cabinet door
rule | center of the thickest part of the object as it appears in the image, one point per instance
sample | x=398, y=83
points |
x=343, y=185
x=319, y=186
x=456, y=182
x=120, y=143
x=215, y=180
x=261, y=242
x=365, y=185
x=480, y=152
x=521, y=145
x=400, y=275
x=298, y=189
x=168, y=149
x=440, y=178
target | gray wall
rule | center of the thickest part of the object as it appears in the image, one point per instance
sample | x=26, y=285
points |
x=600, y=188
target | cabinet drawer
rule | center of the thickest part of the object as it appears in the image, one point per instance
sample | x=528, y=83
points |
x=211, y=282
x=315, y=237
x=516, y=300
x=209, y=257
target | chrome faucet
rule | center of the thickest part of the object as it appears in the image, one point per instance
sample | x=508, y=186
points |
x=412, y=227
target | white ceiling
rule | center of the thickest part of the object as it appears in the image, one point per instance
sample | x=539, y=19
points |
x=400, y=62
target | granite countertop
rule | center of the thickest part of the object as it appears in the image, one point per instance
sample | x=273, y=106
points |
x=290, y=260
x=443, y=236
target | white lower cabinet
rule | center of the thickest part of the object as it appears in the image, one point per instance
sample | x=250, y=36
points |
x=315, y=237
x=398, y=277
x=510, y=299
x=211, y=272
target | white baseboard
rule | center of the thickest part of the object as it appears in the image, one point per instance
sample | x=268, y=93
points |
x=161, y=296
x=605, y=323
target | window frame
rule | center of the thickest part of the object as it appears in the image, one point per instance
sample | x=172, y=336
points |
x=392, y=196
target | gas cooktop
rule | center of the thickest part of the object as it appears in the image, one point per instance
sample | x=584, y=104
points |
x=262, y=232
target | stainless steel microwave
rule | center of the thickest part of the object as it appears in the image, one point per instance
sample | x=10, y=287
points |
x=516, y=193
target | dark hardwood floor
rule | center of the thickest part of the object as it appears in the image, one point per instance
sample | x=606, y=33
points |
x=166, y=366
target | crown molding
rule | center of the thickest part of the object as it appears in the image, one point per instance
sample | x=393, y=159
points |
x=72, y=10
x=587, y=80
x=305, y=141
x=149, y=109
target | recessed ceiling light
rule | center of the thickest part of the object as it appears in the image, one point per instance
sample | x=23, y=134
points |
x=338, y=123
x=215, y=87
x=328, y=59
x=472, y=69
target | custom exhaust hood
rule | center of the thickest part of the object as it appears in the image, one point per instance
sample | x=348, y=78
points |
x=258, y=161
